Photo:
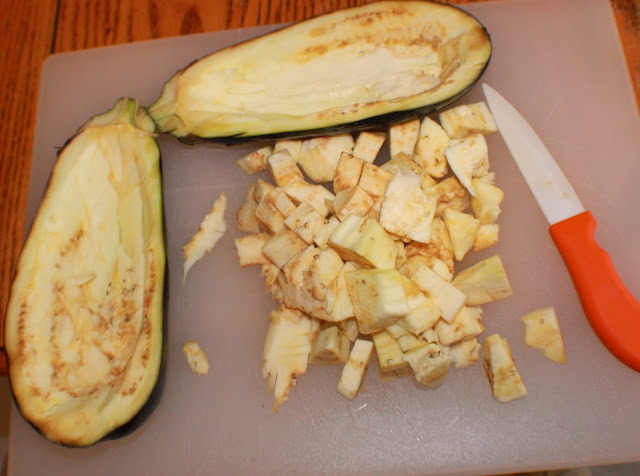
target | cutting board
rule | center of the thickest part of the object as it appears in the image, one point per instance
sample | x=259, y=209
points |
x=561, y=65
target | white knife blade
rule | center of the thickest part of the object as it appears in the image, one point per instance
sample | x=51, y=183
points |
x=550, y=187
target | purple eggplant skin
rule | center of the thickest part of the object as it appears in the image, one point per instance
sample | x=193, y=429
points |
x=236, y=95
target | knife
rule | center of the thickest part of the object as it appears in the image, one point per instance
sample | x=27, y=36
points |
x=612, y=311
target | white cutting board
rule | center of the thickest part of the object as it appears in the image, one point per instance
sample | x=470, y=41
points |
x=561, y=65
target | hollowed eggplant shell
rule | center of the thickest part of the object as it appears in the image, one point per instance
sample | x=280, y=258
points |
x=351, y=69
x=85, y=328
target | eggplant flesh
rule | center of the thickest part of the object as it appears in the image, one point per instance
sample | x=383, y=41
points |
x=346, y=70
x=84, y=328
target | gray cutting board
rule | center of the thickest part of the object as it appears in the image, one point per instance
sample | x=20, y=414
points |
x=560, y=63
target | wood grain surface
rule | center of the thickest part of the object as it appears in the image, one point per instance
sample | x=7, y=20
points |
x=30, y=30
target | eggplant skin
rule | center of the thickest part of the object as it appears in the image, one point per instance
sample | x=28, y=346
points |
x=350, y=69
x=85, y=328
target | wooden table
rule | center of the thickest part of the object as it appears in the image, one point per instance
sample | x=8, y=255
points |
x=31, y=30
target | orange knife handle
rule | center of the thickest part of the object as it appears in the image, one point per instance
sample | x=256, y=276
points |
x=612, y=311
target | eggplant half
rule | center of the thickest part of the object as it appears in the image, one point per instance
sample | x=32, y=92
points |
x=84, y=328
x=347, y=70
